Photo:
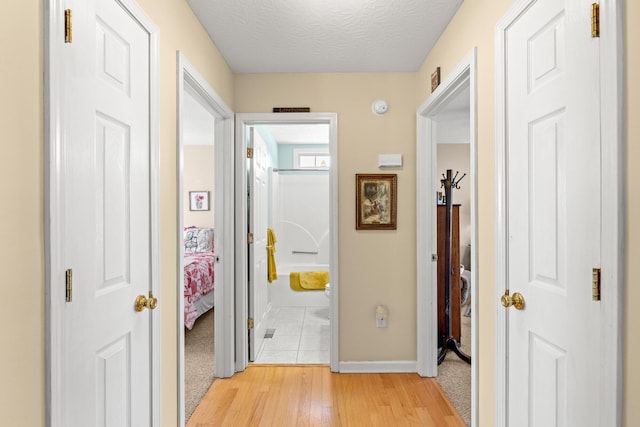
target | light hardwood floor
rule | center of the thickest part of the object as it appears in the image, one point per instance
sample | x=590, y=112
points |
x=310, y=395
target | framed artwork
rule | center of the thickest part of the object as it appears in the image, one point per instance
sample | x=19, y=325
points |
x=435, y=79
x=199, y=200
x=376, y=201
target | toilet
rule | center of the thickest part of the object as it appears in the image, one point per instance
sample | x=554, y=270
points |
x=327, y=293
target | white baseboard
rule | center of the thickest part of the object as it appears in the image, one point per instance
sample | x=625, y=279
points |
x=378, y=367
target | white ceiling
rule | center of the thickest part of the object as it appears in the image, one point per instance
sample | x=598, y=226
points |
x=324, y=35
x=198, y=123
x=453, y=120
x=300, y=133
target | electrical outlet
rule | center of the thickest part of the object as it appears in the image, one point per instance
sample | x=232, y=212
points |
x=381, y=316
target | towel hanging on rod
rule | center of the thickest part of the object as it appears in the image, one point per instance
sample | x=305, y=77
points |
x=272, y=273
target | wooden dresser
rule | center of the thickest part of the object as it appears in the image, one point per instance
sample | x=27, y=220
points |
x=455, y=266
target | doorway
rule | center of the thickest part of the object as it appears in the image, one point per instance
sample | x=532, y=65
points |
x=205, y=237
x=561, y=253
x=291, y=324
x=448, y=116
x=102, y=204
x=303, y=243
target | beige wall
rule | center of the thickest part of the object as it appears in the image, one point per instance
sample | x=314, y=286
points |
x=376, y=267
x=198, y=175
x=21, y=217
x=632, y=314
x=22, y=316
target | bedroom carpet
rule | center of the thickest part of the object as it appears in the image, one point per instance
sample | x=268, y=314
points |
x=454, y=375
x=198, y=361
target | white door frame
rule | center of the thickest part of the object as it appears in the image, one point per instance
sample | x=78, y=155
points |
x=613, y=208
x=54, y=137
x=243, y=120
x=461, y=78
x=188, y=77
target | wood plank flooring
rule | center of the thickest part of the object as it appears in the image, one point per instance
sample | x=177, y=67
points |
x=310, y=395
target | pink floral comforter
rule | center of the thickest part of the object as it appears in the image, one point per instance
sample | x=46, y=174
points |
x=198, y=281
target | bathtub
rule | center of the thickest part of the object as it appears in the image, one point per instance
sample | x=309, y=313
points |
x=281, y=294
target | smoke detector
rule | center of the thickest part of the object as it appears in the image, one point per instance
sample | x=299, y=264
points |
x=379, y=107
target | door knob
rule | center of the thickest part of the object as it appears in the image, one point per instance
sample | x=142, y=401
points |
x=143, y=302
x=516, y=300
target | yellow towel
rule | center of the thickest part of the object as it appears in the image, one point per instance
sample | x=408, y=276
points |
x=272, y=274
x=308, y=280
x=294, y=281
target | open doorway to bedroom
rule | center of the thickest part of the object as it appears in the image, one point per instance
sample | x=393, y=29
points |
x=198, y=181
x=205, y=238
x=448, y=237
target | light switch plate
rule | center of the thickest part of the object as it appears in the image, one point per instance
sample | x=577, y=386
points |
x=389, y=160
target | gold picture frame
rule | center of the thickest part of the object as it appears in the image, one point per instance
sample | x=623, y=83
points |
x=435, y=79
x=376, y=201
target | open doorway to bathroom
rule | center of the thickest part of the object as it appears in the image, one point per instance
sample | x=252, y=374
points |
x=290, y=268
x=291, y=319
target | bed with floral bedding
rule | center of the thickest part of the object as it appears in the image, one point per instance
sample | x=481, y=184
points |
x=199, y=260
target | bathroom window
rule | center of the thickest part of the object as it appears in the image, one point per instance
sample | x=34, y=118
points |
x=311, y=159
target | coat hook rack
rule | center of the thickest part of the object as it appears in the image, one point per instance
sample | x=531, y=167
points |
x=449, y=342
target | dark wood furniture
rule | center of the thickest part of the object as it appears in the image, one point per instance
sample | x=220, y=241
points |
x=449, y=334
x=455, y=266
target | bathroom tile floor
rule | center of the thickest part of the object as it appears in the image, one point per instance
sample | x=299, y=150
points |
x=301, y=336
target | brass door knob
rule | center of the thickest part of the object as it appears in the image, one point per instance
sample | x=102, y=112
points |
x=516, y=300
x=143, y=302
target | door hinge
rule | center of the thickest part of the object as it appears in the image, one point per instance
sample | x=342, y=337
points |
x=68, y=26
x=434, y=257
x=595, y=20
x=250, y=323
x=68, y=285
x=250, y=239
x=595, y=284
x=249, y=153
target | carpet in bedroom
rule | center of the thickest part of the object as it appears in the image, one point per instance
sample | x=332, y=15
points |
x=198, y=361
x=454, y=375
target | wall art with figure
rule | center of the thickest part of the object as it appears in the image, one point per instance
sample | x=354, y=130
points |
x=376, y=201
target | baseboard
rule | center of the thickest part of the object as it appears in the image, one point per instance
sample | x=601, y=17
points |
x=379, y=367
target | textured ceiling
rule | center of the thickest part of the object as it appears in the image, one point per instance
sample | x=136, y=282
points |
x=299, y=134
x=324, y=35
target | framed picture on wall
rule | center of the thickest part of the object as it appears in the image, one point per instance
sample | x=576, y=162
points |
x=198, y=200
x=376, y=201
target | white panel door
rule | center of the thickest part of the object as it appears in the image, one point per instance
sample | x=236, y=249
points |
x=258, y=222
x=553, y=214
x=107, y=218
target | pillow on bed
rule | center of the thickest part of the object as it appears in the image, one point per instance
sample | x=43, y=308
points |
x=197, y=240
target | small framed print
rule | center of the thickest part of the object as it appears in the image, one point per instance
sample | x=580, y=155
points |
x=199, y=201
x=376, y=203
x=435, y=79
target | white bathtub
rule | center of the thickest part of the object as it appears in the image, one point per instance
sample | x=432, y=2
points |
x=281, y=294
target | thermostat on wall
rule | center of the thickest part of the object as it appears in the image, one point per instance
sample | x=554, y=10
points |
x=389, y=160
